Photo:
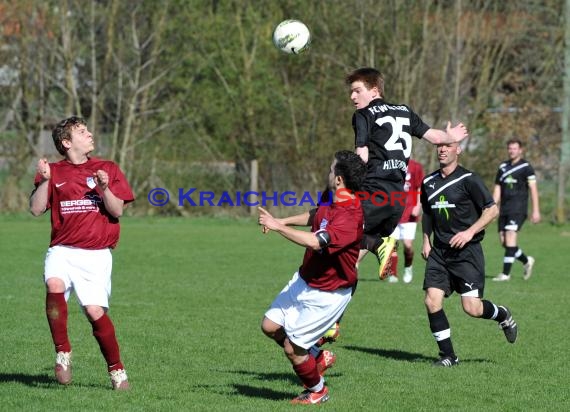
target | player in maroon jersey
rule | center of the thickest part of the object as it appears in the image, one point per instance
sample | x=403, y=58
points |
x=321, y=289
x=86, y=196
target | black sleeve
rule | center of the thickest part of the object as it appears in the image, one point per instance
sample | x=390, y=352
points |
x=479, y=193
x=417, y=126
x=361, y=130
x=530, y=172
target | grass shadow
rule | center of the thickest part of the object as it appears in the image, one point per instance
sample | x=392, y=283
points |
x=392, y=354
x=289, y=377
x=29, y=380
x=42, y=381
x=407, y=356
x=264, y=393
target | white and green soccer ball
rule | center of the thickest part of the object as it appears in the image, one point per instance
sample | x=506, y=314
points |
x=291, y=36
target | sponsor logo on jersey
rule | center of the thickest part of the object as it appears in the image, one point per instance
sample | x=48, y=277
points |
x=510, y=181
x=442, y=204
x=90, y=203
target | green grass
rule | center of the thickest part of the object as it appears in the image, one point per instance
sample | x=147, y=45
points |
x=188, y=298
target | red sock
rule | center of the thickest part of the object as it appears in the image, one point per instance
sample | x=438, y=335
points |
x=394, y=264
x=308, y=373
x=104, y=332
x=56, y=312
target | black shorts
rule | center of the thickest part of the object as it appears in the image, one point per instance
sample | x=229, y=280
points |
x=383, y=209
x=511, y=222
x=456, y=270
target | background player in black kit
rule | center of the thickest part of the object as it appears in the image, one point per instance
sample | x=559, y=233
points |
x=383, y=139
x=457, y=207
x=515, y=178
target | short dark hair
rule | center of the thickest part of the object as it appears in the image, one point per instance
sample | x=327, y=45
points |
x=351, y=168
x=62, y=131
x=369, y=76
x=515, y=140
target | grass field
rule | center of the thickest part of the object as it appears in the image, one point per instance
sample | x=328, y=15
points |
x=188, y=297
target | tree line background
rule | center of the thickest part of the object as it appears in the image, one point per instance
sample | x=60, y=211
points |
x=186, y=93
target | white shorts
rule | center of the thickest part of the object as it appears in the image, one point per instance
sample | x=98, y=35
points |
x=307, y=313
x=405, y=231
x=88, y=272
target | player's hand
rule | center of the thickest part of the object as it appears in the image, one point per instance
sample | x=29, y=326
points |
x=535, y=217
x=267, y=221
x=102, y=179
x=460, y=239
x=44, y=169
x=417, y=210
x=458, y=133
x=426, y=249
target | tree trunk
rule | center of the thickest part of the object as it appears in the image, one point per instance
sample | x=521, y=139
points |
x=564, y=165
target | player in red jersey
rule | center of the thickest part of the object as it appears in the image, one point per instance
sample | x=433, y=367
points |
x=86, y=197
x=321, y=289
x=406, y=229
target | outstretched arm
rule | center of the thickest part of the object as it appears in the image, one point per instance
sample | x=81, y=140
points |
x=452, y=134
x=300, y=237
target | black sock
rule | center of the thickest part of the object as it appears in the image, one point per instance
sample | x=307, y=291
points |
x=441, y=331
x=492, y=311
x=508, y=259
x=521, y=256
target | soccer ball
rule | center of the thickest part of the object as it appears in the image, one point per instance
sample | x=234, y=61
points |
x=291, y=36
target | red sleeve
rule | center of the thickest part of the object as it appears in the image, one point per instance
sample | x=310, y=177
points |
x=343, y=231
x=119, y=185
x=418, y=177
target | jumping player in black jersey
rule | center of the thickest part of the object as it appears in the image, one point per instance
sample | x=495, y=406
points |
x=383, y=139
x=515, y=178
x=457, y=207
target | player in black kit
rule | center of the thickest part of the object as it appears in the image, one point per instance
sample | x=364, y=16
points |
x=457, y=207
x=515, y=178
x=383, y=139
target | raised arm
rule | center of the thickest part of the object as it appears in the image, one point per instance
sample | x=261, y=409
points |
x=39, y=197
x=452, y=134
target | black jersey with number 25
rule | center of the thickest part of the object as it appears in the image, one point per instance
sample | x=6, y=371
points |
x=454, y=203
x=386, y=130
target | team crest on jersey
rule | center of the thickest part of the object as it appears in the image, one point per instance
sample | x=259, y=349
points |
x=324, y=224
x=91, y=182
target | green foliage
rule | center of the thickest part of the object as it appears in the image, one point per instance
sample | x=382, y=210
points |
x=188, y=298
x=200, y=80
